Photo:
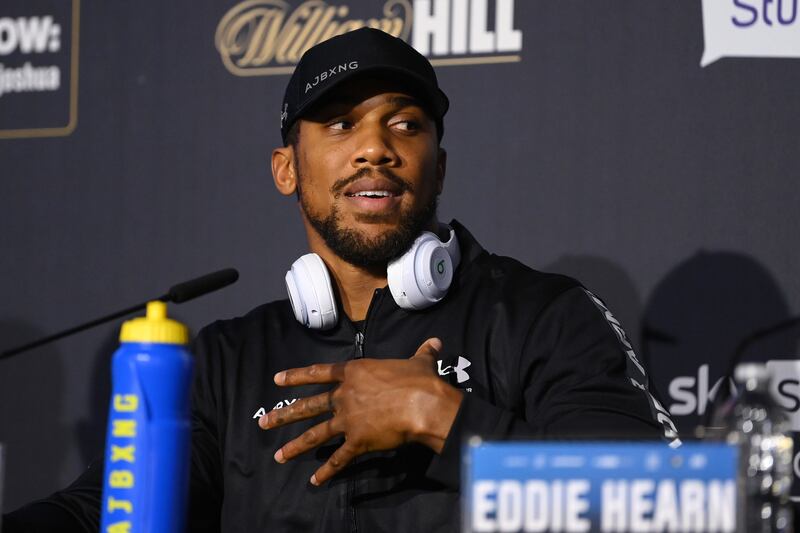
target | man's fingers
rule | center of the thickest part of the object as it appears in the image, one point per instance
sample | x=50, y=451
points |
x=310, y=439
x=430, y=348
x=336, y=462
x=299, y=410
x=319, y=373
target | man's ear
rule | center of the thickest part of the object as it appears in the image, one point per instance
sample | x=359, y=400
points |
x=441, y=170
x=283, y=170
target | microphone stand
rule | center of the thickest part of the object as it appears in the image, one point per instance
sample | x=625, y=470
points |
x=182, y=292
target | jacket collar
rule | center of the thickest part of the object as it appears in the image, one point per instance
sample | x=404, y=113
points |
x=470, y=248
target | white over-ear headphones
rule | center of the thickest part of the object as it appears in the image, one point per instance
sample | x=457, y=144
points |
x=417, y=279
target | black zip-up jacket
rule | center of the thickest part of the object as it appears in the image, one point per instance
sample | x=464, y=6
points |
x=535, y=354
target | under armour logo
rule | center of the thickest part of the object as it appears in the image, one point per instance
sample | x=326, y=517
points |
x=461, y=374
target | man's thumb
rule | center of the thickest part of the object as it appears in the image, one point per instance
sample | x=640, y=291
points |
x=430, y=347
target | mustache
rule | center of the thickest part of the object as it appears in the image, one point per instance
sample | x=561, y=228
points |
x=366, y=172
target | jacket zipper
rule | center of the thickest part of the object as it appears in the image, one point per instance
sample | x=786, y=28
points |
x=360, y=337
x=359, y=354
x=359, y=345
x=351, y=484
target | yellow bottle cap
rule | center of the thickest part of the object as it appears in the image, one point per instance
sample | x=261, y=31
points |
x=155, y=327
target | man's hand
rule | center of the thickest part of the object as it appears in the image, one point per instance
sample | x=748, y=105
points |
x=379, y=404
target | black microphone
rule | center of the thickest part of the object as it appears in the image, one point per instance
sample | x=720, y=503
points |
x=182, y=292
x=188, y=290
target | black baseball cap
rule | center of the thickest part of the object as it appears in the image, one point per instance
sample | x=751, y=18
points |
x=355, y=53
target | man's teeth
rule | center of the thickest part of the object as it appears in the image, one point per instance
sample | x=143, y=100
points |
x=373, y=193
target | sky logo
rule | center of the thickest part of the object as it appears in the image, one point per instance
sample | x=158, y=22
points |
x=750, y=28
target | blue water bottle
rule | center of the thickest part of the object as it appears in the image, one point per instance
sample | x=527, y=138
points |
x=147, y=444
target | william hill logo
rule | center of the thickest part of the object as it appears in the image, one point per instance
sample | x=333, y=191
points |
x=263, y=37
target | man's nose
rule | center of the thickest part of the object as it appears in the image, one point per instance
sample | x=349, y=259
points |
x=374, y=147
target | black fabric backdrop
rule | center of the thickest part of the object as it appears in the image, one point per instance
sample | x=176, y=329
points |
x=600, y=149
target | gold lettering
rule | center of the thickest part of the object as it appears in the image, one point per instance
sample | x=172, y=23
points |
x=350, y=25
x=122, y=453
x=123, y=428
x=261, y=52
x=331, y=31
x=259, y=37
x=401, y=27
x=120, y=479
x=314, y=38
x=119, y=505
x=287, y=35
x=119, y=527
x=126, y=403
x=313, y=19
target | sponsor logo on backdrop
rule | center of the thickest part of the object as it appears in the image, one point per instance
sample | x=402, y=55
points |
x=38, y=68
x=693, y=396
x=29, y=35
x=786, y=388
x=750, y=28
x=263, y=37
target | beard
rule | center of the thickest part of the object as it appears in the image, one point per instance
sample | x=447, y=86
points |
x=358, y=249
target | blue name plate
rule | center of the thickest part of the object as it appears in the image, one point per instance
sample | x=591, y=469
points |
x=524, y=486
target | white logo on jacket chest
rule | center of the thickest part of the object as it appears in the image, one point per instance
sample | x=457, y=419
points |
x=461, y=364
x=281, y=404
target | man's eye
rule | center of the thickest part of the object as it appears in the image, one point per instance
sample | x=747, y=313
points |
x=406, y=125
x=340, y=125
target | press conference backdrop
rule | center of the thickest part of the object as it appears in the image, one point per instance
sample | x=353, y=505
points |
x=584, y=138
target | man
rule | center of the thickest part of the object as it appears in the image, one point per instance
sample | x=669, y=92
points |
x=371, y=406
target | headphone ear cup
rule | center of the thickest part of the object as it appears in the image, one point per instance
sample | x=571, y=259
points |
x=299, y=309
x=420, y=277
x=311, y=293
x=401, y=282
x=433, y=270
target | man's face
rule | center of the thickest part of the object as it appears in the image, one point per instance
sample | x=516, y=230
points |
x=369, y=170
